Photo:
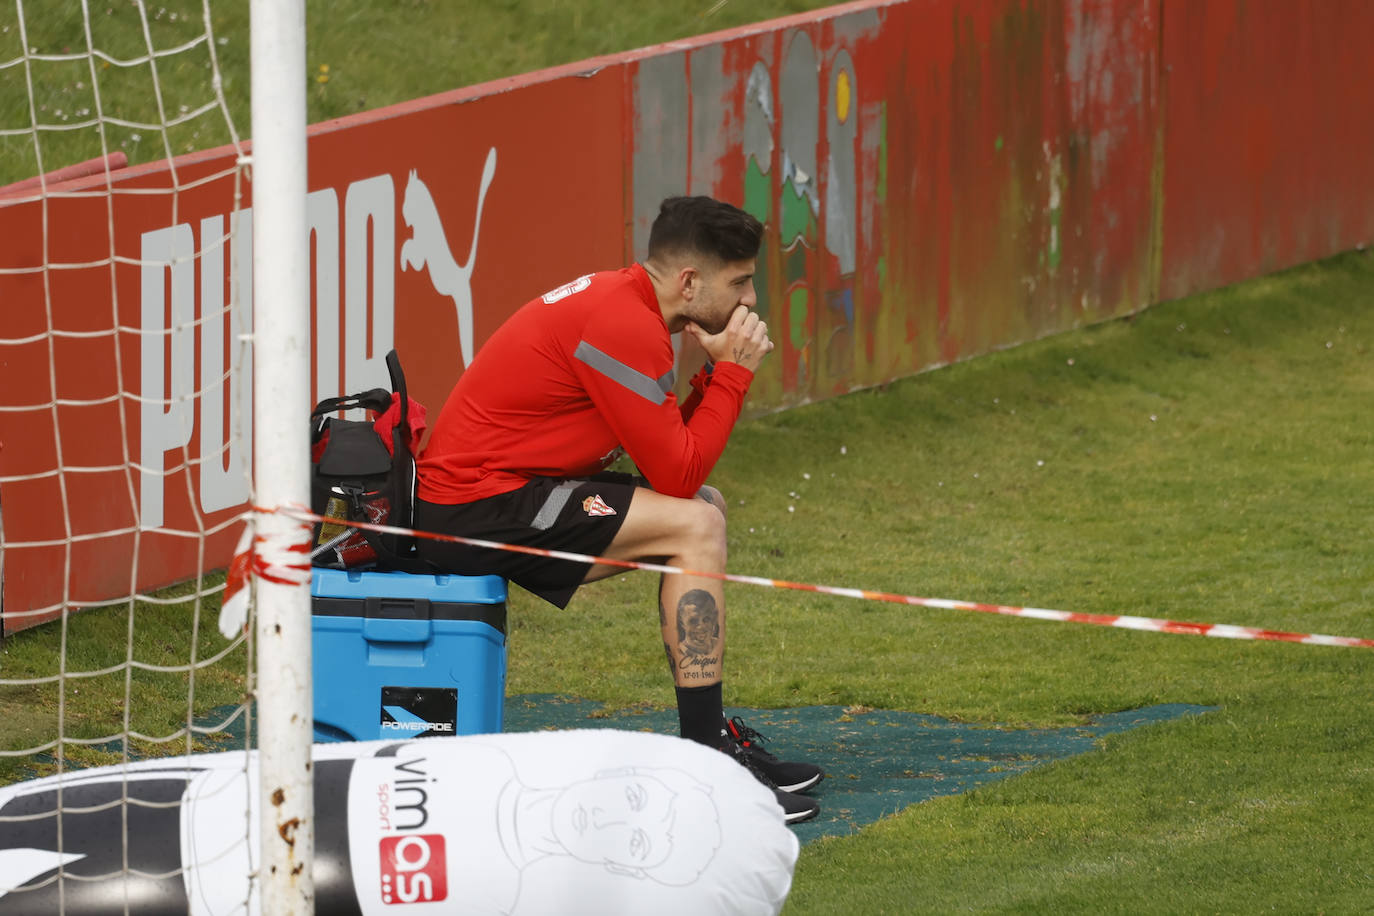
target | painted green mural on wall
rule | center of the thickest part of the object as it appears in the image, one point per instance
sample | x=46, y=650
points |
x=806, y=276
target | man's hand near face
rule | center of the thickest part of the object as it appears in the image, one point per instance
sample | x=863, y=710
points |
x=744, y=341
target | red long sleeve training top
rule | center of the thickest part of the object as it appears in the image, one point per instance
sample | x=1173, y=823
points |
x=569, y=378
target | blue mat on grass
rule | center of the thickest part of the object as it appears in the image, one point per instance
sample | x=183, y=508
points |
x=876, y=762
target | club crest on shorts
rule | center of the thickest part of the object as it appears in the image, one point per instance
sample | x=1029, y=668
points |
x=595, y=505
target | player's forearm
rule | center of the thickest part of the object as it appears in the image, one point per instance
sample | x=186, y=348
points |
x=679, y=463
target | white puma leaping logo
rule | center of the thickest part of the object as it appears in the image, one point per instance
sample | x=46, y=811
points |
x=428, y=246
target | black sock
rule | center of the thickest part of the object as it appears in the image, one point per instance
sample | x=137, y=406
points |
x=701, y=714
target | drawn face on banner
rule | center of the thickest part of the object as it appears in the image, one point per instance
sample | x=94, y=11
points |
x=660, y=824
x=621, y=820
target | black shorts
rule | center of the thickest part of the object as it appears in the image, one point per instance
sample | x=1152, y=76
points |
x=577, y=516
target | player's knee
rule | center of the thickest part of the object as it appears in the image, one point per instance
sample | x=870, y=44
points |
x=704, y=530
x=710, y=494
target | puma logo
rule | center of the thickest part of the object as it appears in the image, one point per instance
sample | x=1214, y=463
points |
x=428, y=247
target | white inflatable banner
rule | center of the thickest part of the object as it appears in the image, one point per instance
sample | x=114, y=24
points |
x=594, y=822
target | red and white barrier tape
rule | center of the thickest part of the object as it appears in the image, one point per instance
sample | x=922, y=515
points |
x=1123, y=621
x=276, y=556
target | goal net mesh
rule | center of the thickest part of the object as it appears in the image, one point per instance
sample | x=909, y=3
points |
x=125, y=402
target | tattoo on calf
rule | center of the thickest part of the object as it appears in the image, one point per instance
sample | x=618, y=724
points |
x=698, y=634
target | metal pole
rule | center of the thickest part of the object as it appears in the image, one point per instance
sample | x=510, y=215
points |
x=281, y=362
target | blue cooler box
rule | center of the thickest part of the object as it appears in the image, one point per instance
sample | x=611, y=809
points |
x=406, y=656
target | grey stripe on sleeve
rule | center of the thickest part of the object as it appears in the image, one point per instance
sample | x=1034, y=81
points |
x=647, y=388
x=553, y=504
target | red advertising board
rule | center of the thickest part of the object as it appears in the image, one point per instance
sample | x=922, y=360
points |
x=123, y=469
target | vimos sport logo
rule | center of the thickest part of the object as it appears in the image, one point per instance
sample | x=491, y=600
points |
x=413, y=868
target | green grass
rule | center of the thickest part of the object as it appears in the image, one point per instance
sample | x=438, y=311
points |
x=109, y=689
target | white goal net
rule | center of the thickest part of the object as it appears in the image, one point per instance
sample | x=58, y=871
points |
x=127, y=429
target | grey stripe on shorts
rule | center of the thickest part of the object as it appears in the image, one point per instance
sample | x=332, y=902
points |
x=553, y=504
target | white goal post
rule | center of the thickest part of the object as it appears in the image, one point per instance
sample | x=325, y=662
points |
x=282, y=474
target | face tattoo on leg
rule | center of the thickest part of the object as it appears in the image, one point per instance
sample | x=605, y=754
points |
x=698, y=632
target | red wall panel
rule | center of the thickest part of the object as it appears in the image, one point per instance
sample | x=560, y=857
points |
x=1268, y=139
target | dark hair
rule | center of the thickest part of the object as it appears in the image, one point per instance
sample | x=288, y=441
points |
x=706, y=227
